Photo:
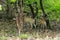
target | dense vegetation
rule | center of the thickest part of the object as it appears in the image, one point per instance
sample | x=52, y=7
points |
x=31, y=15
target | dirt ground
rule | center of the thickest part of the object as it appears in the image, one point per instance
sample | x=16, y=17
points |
x=8, y=31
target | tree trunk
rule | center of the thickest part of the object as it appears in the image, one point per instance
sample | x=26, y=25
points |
x=19, y=18
x=32, y=9
x=45, y=16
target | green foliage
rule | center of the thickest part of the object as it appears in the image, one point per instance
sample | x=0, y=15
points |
x=23, y=36
x=3, y=38
x=0, y=7
x=12, y=1
x=51, y=4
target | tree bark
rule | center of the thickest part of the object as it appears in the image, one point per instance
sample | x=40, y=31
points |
x=32, y=10
x=19, y=18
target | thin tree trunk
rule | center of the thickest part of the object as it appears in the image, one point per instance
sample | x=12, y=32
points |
x=45, y=16
x=19, y=18
x=32, y=9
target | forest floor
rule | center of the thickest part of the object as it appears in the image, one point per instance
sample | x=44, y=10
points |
x=35, y=35
x=8, y=31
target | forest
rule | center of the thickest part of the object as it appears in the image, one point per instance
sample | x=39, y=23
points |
x=29, y=19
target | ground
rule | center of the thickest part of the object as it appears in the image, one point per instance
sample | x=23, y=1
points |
x=9, y=31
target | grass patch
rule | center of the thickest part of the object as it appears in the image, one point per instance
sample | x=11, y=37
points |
x=23, y=35
x=3, y=38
